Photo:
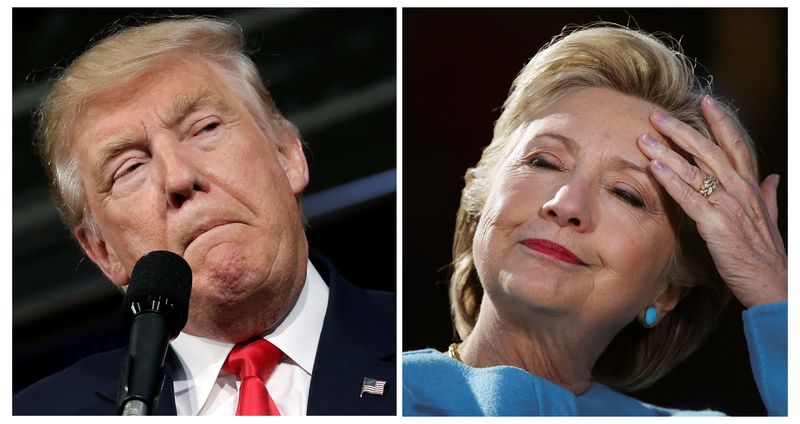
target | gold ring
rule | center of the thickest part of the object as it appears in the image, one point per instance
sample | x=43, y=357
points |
x=709, y=184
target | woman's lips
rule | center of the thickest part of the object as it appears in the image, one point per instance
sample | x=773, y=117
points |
x=553, y=249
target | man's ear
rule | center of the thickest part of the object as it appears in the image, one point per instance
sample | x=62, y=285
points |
x=667, y=301
x=104, y=257
x=293, y=161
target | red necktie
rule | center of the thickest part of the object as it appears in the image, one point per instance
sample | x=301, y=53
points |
x=254, y=362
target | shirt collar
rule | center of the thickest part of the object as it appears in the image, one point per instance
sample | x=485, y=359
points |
x=297, y=336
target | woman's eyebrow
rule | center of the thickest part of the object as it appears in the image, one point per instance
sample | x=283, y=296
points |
x=571, y=145
x=618, y=163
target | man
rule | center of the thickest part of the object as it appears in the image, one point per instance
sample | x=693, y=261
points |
x=163, y=137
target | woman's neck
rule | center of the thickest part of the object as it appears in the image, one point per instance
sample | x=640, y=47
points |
x=550, y=352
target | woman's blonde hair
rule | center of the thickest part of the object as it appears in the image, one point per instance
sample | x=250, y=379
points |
x=123, y=57
x=636, y=64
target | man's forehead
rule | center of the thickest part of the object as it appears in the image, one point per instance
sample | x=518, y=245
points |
x=123, y=115
x=166, y=96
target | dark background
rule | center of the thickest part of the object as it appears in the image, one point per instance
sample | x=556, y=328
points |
x=458, y=66
x=331, y=71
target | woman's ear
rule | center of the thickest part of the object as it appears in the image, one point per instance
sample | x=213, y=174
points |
x=102, y=255
x=667, y=301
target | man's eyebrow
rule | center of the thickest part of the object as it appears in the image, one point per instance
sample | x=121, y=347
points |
x=184, y=105
x=181, y=106
x=114, y=148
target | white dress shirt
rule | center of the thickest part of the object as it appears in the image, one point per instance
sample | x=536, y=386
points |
x=203, y=388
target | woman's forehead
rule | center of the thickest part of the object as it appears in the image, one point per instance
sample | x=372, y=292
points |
x=594, y=118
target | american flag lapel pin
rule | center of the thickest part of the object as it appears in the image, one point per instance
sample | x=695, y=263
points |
x=372, y=386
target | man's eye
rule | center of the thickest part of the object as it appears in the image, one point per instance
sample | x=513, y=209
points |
x=208, y=128
x=127, y=169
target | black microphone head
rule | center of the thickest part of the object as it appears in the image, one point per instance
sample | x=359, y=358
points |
x=161, y=281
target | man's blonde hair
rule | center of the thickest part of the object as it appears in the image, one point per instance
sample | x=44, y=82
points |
x=123, y=57
x=636, y=64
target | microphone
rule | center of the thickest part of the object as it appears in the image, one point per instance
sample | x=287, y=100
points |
x=157, y=305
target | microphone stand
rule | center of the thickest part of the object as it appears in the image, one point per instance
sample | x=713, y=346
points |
x=144, y=366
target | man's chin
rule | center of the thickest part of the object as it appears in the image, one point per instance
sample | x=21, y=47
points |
x=228, y=333
x=233, y=323
x=223, y=261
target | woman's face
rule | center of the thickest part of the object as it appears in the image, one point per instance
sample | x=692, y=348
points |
x=574, y=224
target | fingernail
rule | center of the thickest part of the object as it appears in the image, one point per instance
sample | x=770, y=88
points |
x=649, y=142
x=777, y=180
x=711, y=102
x=661, y=116
x=658, y=166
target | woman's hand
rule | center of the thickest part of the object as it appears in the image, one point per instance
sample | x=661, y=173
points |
x=738, y=220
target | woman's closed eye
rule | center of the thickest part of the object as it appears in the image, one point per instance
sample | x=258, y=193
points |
x=539, y=161
x=629, y=197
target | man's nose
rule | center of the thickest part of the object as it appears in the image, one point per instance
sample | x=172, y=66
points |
x=570, y=206
x=181, y=177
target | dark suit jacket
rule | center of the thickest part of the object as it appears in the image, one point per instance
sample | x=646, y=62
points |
x=357, y=341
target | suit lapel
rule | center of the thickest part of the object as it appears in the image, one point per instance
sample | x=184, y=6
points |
x=357, y=342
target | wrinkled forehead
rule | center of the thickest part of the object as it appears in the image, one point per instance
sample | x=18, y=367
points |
x=167, y=89
x=162, y=97
x=595, y=117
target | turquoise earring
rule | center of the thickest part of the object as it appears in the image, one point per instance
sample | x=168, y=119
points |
x=648, y=317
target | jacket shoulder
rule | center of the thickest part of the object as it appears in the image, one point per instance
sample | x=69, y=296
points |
x=352, y=304
x=76, y=390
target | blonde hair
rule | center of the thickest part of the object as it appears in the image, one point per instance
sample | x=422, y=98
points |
x=126, y=56
x=636, y=64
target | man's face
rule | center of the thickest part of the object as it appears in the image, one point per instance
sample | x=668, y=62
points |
x=174, y=161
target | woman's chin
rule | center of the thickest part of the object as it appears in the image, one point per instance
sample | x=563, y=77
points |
x=541, y=294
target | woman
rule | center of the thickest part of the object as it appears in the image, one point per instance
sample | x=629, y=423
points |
x=614, y=188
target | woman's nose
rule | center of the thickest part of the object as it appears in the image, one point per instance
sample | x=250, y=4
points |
x=181, y=178
x=569, y=207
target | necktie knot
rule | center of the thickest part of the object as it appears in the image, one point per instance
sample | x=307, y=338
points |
x=253, y=362
x=256, y=358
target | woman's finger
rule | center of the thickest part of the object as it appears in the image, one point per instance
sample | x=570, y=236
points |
x=694, y=204
x=689, y=173
x=769, y=189
x=705, y=151
x=729, y=137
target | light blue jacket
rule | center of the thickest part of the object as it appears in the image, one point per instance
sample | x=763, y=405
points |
x=434, y=384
